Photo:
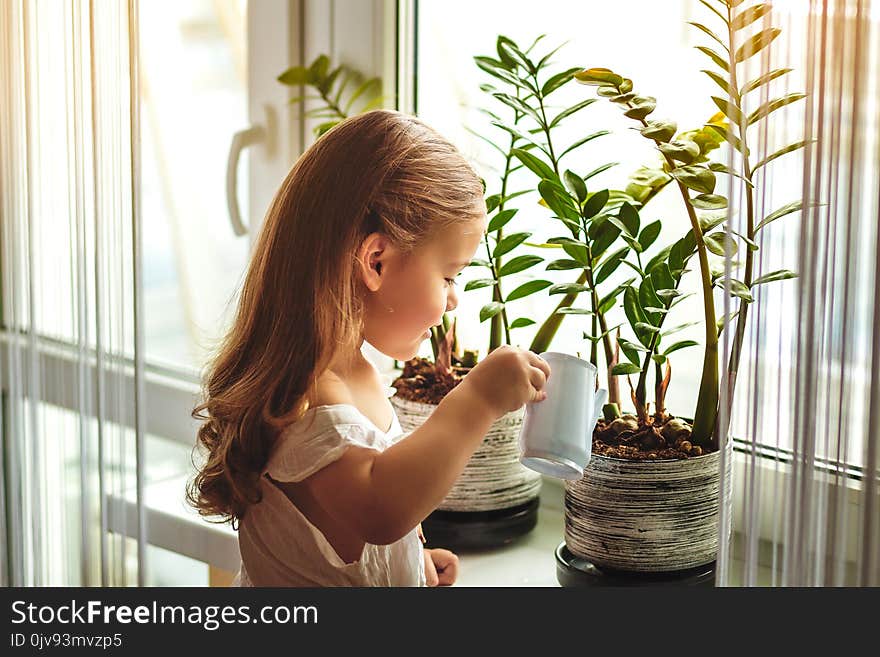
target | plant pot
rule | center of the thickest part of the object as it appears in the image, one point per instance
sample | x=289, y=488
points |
x=659, y=516
x=494, y=500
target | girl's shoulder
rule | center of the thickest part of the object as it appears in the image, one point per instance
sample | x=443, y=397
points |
x=321, y=436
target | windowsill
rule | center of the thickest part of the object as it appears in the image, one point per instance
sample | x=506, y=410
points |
x=527, y=561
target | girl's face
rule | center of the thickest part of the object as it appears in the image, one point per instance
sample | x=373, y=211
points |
x=408, y=293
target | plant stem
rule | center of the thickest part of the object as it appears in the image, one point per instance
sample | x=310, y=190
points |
x=742, y=315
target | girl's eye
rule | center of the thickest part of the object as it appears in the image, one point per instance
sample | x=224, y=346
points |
x=450, y=281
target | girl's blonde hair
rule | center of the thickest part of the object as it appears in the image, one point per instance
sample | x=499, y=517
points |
x=381, y=171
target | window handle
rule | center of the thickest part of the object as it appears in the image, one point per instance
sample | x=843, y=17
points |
x=240, y=140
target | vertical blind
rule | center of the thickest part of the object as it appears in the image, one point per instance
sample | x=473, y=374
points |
x=70, y=329
x=809, y=378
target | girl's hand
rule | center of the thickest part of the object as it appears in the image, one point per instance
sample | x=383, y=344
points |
x=441, y=567
x=506, y=379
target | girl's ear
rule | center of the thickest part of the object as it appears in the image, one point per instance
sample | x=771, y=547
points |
x=371, y=257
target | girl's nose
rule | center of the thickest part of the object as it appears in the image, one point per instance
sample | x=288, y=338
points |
x=451, y=300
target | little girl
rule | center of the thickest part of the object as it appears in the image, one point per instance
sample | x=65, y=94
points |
x=305, y=455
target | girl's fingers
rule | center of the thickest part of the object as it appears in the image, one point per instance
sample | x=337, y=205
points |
x=431, y=577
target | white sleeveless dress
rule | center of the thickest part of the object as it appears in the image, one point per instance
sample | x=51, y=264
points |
x=278, y=544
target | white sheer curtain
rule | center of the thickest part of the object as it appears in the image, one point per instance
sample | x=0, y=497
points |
x=70, y=328
x=806, y=493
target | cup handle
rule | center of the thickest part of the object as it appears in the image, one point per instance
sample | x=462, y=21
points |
x=601, y=398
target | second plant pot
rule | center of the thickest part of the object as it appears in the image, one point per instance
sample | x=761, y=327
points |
x=657, y=518
x=495, y=499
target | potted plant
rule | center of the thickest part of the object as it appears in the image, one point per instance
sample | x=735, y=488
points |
x=648, y=503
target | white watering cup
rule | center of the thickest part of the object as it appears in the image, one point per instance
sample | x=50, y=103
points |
x=556, y=438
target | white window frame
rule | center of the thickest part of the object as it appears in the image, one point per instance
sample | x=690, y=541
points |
x=378, y=37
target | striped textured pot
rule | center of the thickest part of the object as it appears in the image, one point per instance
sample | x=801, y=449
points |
x=647, y=516
x=493, y=477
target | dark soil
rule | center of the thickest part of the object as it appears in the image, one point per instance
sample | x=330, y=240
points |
x=663, y=436
x=421, y=381
x=626, y=437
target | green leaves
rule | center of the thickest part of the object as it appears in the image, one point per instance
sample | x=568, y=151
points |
x=782, y=151
x=533, y=163
x=794, y=206
x=490, y=310
x=599, y=76
x=527, y=289
x=625, y=368
x=518, y=264
x=659, y=130
x=695, y=177
x=709, y=202
x=568, y=288
x=477, y=283
x=720, y=244
x=756, y=43
x=780, y=275
x=500, y=220
x=680, y=345
x=772, y=106
x=509, y=243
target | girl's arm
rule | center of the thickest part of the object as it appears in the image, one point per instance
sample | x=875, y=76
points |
x=383, y=495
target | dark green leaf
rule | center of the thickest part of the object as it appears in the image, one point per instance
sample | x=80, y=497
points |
x=648, y=328
x=676, y=329
x=709, y=202
x=695, y=177
x=577, y=252
x=773, y=105
x=490, y=310
x=478, y=283
x=568, y=288
x=598, y=170
x=527, y=289
x=680, y=345
x=724, y=321
x=476, y=262
x=556, y=81
x=519, y=322
x=737, y=289
x=518, y=264
x=537, y=166
x=756, y=43
x=569, y=111
x=610, y=265
x=500, y=219
x=492, y=202
x=625, y=368
x=558, y=200
x=582, y=141
x=658, y=259
x=576, y=185
x=794, y=206
x=780, y=275
x=649, y=234
x=558, y=265
x=629, y=217
x=716, y=244
x=595, y=203
x=782, y=151
x=509, y=243
x=569, y=310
